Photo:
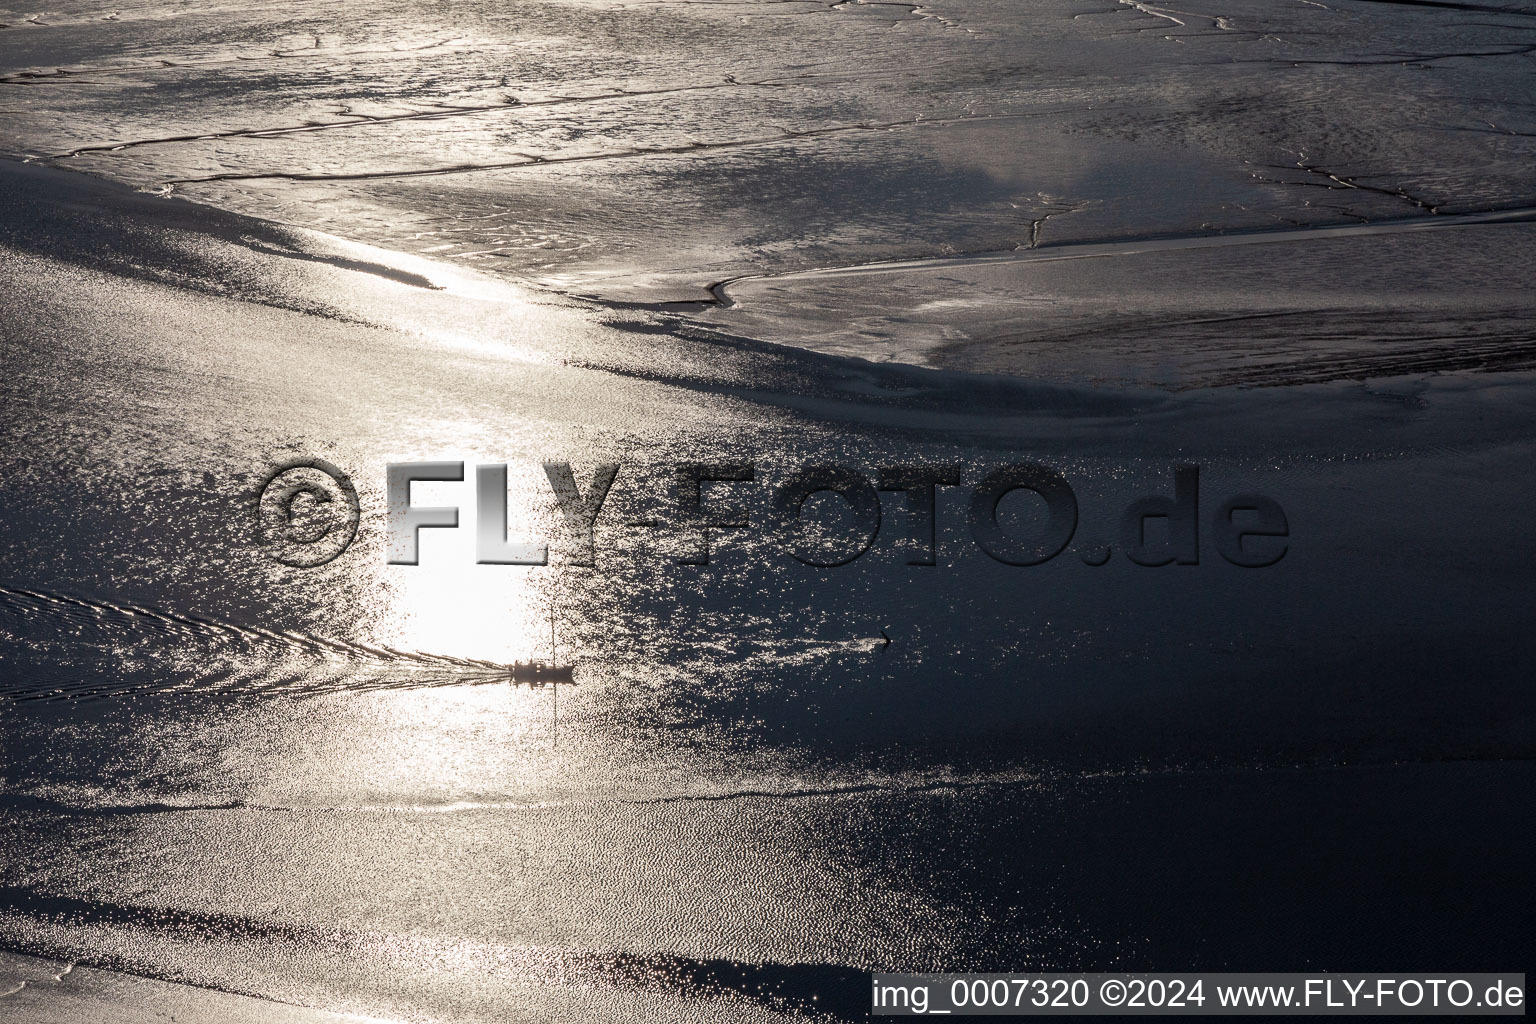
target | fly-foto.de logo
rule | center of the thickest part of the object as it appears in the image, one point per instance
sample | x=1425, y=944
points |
x=308, y=513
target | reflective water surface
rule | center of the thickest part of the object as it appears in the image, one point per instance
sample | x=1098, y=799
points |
x=320, y=786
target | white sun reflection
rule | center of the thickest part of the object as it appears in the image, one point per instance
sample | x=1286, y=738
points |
x=450, y=605
x=446, y=728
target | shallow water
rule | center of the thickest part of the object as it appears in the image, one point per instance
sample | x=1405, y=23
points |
x=287, y=782
x=317, y=785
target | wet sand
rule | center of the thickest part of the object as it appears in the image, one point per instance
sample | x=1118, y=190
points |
x=229, y=786
x=278, y=783
x=59, y=992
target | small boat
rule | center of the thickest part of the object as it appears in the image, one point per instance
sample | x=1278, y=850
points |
x=538, y=673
